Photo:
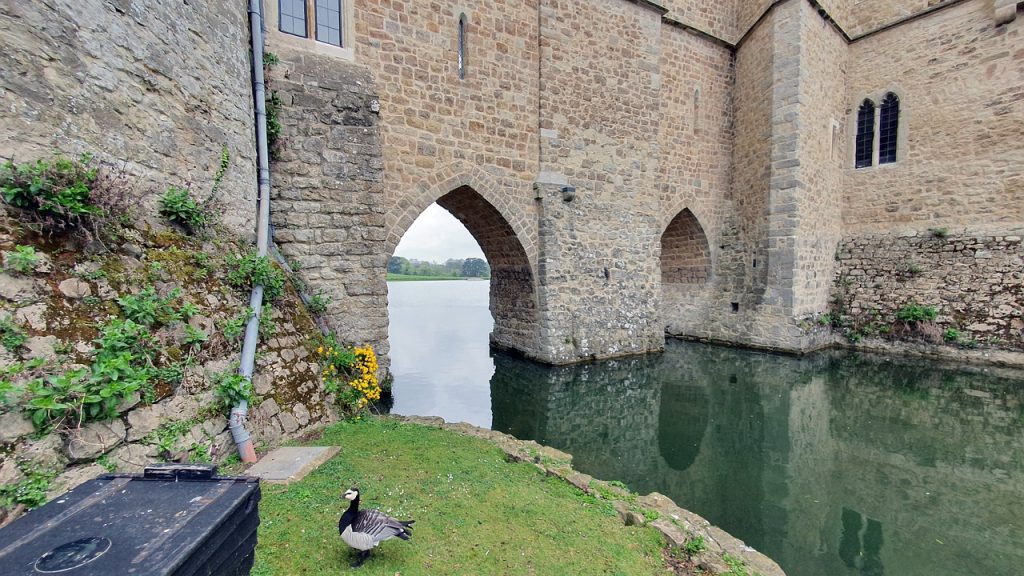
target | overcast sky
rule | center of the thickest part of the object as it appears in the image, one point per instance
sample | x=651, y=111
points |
x=437, y=236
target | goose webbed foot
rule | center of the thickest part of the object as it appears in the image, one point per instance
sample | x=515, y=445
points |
x=361, y=558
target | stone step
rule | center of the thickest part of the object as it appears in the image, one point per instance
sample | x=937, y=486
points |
x=291, y=463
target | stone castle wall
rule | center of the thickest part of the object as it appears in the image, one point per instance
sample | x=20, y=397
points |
x=328, y=193
x=695, y=140
x=630, y=104
x=600, y=120
x=975, y=281
x=962, y=103
x=715, y=18
x=821, y=155
x=476, y=135
x=154, y=88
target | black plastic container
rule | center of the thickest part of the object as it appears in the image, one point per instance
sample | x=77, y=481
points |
x=171, y=520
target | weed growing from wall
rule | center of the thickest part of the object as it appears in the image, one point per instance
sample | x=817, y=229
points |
x=350, y=373
x=22, y=259
x=252, y=270
x=11, y=335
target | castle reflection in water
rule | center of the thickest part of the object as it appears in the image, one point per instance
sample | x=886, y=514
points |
x=832, y=464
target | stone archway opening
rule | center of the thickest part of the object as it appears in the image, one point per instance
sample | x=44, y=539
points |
x=512, y=299
x=685, y=273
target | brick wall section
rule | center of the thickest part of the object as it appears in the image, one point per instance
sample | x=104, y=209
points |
x=975, y=281
x=752, y=160
x=157, y=88
x=438, y=130
x=786, y=189
x=861, y=16
x=962, y=102
x=747, y=13
x=599, y=116
x=328, y=196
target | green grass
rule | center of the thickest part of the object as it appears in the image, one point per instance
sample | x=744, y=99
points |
x=415, y=278
x=475, y=512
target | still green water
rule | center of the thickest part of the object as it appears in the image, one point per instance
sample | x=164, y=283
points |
x=832, y=464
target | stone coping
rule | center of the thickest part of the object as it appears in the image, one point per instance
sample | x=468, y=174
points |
x=676, y=524
x=291, y=463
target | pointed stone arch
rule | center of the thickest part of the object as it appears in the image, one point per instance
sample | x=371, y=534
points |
x=685, y=253
x=686, y=273
x=471, y=197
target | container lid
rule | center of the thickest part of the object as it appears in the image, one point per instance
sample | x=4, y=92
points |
x=125, y=524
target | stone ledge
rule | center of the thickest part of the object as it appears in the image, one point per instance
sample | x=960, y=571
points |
x=677, y=525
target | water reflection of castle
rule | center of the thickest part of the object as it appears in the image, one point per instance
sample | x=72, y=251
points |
x=830, y=465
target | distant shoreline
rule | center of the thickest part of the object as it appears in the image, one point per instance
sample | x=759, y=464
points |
x=414, y=278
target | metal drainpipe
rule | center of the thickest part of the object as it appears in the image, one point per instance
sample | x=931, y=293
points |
x=240, y=412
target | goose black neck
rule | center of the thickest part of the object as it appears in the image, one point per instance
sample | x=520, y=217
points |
x=349, y=516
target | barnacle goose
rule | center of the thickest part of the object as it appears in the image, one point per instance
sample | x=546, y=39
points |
x=365, y=529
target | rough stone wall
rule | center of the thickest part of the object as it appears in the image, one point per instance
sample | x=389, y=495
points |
x=747, y=14
x=863, y=16
x=975, y=281
x=742, y=263
x=695, y=141
x=685, y=257
x=599, y=118
x=821, y=155
x=962, y=104
x=157, y=88
x=715, y=18
x=328, y=196
x=440, y=132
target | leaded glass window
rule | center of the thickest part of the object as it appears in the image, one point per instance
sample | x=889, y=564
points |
x=888, y=126
x=293, y=17
x=865, y=134
x=328, y=21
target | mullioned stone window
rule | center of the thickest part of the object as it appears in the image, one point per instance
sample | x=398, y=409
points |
x=879, y=138
x=323, y=26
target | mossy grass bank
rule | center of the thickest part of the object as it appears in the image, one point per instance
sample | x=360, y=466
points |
x=475, y=512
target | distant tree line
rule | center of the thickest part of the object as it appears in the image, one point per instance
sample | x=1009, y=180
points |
x=453, y=267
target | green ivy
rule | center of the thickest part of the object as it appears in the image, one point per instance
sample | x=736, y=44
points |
x=915, y=312
x=231, y=387
x=149, y=309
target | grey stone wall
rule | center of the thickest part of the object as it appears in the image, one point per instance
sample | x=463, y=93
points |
x=598, y=270
x=974, y=280
x=156, y=88
x=328, y=204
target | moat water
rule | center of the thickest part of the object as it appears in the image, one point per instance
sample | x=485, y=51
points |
x=833, y=464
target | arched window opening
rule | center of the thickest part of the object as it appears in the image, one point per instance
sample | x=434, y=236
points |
x=888, y=126
x=865, y=134
x=462, y=46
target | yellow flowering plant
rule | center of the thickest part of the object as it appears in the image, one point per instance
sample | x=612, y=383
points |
x=350, y=373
